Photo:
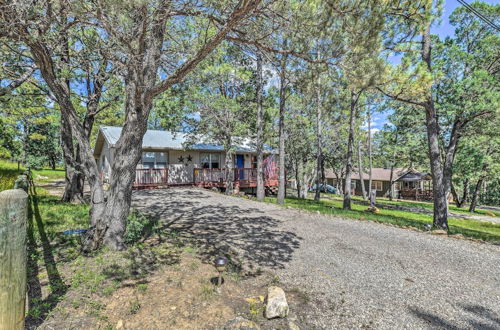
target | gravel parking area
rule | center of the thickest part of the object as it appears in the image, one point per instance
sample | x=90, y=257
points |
x=355, y=273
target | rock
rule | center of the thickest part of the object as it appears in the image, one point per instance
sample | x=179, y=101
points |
x=120, y=324
x=293, y=326
x=373, y=209
x=489, y=213
x=240, y=323
x=439, y=232
x=276, y=303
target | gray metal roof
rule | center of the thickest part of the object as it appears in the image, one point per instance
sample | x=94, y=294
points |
x=155, y=139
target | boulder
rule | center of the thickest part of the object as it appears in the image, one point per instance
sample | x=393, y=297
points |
x=293, y=326
x=240, y=323
x=277, y=305
x=373, y=209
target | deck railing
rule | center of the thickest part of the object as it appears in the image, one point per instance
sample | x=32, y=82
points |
x=242, y=176
x=150, y=177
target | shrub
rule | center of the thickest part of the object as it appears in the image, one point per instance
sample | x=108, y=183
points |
x=138, y=227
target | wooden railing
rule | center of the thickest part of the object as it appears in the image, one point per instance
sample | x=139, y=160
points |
x=241, y=176
x=150, y=177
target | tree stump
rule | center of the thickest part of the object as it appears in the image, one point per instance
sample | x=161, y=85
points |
x=13, y=216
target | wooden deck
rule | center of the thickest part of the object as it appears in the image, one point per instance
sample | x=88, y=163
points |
x=242, y=177
x=206, y=178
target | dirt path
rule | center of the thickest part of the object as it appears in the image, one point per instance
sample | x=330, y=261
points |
x=355, y=273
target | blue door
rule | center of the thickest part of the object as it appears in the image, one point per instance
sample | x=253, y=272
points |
x=240, y=163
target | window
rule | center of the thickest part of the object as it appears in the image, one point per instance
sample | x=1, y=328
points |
x=161, y=159
x=148, y=160
x=254, y=161
x=377, y=185
x=154, y=159
x=209, y=160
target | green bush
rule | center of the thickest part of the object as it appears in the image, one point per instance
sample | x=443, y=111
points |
x=491, y=195
x=138, y=227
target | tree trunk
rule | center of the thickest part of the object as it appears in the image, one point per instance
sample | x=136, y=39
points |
x=475, y=194
x=465, y=194
x=73, y=189
x=439, y=182
x=297, y=178
x=230, y=171
x=391, y=182
x=319, y=154
x=360, y=171
x=370, y=162
x=260, y=131
x=350, y=142
x=281, y=162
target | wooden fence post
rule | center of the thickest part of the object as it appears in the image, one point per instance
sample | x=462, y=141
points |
x=13, y=218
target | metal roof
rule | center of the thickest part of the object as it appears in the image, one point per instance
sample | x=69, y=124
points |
x=155, y=139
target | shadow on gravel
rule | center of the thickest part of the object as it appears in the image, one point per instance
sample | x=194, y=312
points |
x=247, y=236
x=479, y=318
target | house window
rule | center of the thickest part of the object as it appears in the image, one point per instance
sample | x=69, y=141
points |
x=377, y=185
x=161, y=159
x=254, y=161
x=210, y=160
x=152, y=159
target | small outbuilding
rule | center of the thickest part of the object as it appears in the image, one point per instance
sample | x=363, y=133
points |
x=415, y=185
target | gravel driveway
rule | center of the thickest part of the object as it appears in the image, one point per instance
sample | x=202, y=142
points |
x=357, y=273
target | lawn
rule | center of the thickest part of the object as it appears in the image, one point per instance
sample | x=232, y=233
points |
x=470, y=228
x=9, y=172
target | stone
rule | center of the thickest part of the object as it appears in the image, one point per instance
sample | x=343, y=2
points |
x=277, y=305
x=439, y=232
x=293, y=326
x=120, y=324
x=489, y=213
x=373, y=209
x=240, y=323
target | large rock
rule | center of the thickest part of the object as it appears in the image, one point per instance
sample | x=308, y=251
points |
x=276, y=303
x=240, y=323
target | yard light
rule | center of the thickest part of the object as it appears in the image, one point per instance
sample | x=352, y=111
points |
x=220, y=265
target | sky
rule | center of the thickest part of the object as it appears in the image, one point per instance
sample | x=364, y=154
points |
x=443, y=29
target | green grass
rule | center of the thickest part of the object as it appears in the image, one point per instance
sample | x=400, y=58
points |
x=9, y=173
x=475, y=229
x=430, y=206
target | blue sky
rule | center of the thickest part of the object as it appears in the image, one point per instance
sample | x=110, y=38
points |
x=442, y=29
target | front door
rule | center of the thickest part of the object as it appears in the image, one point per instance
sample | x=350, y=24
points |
x=240, y=163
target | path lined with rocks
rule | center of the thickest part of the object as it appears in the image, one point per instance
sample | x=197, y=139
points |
x=353, y=273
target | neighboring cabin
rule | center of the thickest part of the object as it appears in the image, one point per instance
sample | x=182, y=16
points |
x=408, y=184
x=169, y=159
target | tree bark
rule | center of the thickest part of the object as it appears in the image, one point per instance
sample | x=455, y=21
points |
x=73, y=189
x=473, y=202
x=348, y=173
x=439, y=182
x=370, y=162
x=260, y=131
x=360, y=171
x=281, y=124
x=319, y=154
x=230, y=169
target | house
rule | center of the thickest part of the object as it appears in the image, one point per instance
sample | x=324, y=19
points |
x=169, y=159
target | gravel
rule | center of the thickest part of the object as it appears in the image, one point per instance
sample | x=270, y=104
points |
x=355, y=273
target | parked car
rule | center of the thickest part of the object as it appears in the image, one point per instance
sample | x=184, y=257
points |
x=326, y=188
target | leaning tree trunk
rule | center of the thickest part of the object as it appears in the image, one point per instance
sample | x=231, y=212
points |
x=260, y=131
x=475, y=194
x=350, y=142
x=360, y=166
x=465, y=194
x=281, y=161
